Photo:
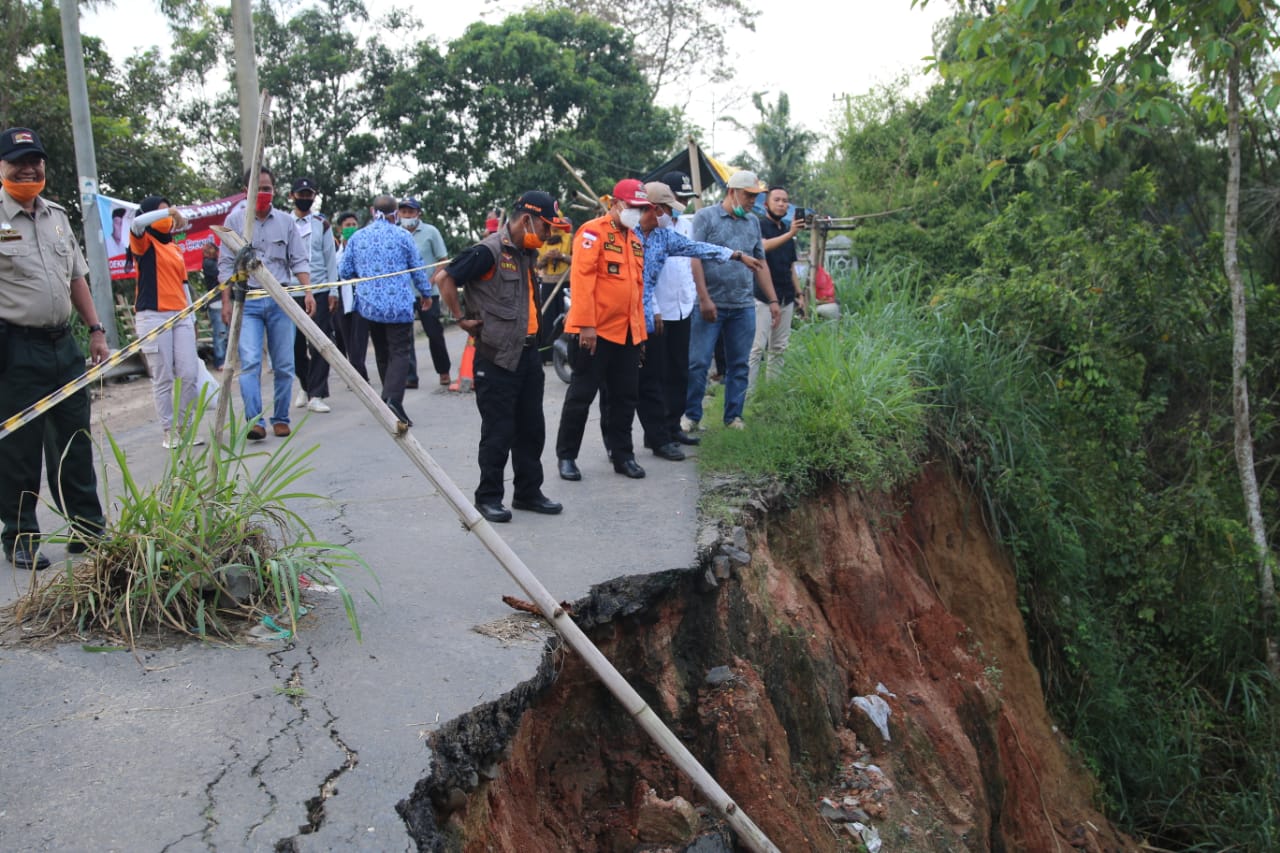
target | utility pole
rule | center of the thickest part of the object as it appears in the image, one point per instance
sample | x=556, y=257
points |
x=87, y=171
x=246, y=77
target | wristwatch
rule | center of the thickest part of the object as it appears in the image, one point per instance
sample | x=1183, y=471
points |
x=97, y=327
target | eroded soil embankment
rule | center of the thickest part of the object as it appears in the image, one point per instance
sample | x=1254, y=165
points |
x=841, y=594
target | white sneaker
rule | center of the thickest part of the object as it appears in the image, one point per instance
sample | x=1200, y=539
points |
x=317, y=404
x=300, y=398
x=166, y=444
x=736, y=423
x=688, y=425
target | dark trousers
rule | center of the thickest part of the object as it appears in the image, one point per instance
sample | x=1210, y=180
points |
x=616, y=367
x=675, y=375
x=392, y=343
x=666, y=363
x=511, y=424
x=435, y=342
x=36, y=365
x=310, y=368
x=353, y=330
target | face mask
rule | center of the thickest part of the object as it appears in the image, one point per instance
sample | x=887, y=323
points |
x=304, y=204
x=410, y=222
x=630, y=217
x=347, y=232
x=665, y=221
x=23, y=192
x=264, y=202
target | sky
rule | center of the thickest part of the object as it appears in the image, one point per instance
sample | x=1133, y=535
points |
x=817, y=52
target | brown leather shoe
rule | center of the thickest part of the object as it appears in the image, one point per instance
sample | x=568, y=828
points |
x=257, y=432
x=280, y=429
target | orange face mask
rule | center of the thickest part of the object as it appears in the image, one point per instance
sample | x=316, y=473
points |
x=23, y=191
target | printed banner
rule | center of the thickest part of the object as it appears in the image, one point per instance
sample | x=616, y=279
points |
x=118, y=215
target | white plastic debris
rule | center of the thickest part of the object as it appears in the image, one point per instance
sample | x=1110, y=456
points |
x=869, y=834
x=884, y=691
x=877, y=709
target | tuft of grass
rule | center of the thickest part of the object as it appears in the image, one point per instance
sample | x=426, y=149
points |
x=204, y=551
x=848, y=405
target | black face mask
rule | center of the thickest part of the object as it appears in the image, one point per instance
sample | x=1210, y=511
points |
x=303, y=204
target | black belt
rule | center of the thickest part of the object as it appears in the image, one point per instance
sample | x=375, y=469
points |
x=530, y=341
x=45, y=333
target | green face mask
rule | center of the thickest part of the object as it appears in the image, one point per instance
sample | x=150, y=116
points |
x=738, y=210
x=347, y=232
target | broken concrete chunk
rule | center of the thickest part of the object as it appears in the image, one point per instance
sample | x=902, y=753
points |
x=709, y=581
x=673, y=821
x=722, y=567
x=740, y=538
x=719, y=675
x=738, y=555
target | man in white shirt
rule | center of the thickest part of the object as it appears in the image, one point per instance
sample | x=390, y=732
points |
x=676, y=298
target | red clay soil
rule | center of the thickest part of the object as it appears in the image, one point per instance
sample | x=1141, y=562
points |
x=842, y=594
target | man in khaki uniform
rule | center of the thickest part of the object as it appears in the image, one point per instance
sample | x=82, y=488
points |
x=41, y=279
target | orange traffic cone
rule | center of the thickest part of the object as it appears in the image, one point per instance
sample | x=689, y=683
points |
x=466, y=373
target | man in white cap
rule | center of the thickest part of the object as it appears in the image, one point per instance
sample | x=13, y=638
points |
x=726, y=300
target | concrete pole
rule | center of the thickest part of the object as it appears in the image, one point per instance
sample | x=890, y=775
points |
x=87, y=171
x=246, y=78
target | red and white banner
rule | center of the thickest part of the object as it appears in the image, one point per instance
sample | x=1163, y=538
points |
x=117, y=215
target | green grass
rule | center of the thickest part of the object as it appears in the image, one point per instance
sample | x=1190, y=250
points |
x=204, y=551
x=849, y=404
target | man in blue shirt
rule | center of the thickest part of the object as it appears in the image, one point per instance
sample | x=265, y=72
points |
x=726, y=301
x=388, y=301
x=431, y=246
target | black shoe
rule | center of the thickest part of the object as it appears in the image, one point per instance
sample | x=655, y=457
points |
x=684, y=438
x=670, y=451
x=569, y=470
x=630, y=468
x=398, y=410
x=494, y=513
x=83, y=540
x=24, y=559
x=541, y=503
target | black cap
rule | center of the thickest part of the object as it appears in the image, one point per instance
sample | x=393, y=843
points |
x=18, y=142
x=300, y=184
x=680, y=184
x=150, y=203
x=411, y=203
x=542, y=205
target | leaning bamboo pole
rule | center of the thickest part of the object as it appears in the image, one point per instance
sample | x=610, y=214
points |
x=749, y=834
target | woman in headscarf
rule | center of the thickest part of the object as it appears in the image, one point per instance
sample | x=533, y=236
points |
x=162, y=292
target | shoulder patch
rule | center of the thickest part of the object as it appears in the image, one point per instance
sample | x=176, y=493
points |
x=589, y=238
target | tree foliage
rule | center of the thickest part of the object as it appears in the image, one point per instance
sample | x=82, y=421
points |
x=675, y=39
x=481, y=123
x=138, y=150
x=784, y=148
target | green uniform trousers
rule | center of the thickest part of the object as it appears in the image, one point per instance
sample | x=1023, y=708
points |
x=38, y=363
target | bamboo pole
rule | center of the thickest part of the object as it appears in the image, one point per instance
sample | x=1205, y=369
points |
x=595, y=199
x=232, y=365
x=472, y=520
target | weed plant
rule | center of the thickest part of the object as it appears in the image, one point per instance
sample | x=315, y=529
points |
x=203, y=552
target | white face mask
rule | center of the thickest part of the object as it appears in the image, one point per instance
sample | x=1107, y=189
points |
x=665, y=221
x=630, y=217
x=410, y=222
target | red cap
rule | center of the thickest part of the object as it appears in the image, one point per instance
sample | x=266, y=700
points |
x=631, y=192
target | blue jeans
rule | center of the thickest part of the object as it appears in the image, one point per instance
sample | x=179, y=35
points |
x=739, y=328
x=265, y=316
x=219, y=331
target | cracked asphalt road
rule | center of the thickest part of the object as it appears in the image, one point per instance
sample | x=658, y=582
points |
x=308, y=745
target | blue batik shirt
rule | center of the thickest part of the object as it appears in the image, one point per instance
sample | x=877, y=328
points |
x=379, y=249
x=663, y=243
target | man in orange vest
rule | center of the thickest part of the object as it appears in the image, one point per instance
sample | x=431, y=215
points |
x=607, y=314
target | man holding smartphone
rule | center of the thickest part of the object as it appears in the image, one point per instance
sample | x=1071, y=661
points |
x=780, y=255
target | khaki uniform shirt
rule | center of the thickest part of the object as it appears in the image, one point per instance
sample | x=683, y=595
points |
x=39, y=257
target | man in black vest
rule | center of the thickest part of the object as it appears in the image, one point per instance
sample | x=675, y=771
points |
x=501, y=315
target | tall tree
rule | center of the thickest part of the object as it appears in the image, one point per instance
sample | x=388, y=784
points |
x=481, y=123
x=783, y=147
x=674, y=38
x=1036, y=78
